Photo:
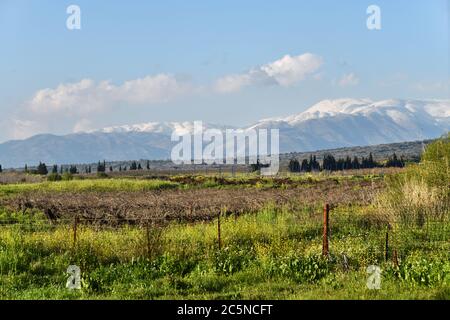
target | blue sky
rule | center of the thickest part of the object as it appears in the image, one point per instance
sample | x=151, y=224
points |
x=140, y=61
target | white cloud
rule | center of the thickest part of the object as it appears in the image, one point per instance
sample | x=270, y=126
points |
x=348, y=80
x=289, y=70
x=159, y=88
x=233, y=83
x=74, y=106
x=285, y=72
x=88, y=96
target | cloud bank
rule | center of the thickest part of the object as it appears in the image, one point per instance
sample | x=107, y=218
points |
x=75, y=105
x=285, y=72
x=88, y=96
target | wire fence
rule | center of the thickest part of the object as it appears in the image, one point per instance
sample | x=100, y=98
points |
x=335, y=232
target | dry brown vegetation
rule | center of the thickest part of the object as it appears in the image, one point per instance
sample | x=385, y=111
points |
x=191, y=204
x=19, y=177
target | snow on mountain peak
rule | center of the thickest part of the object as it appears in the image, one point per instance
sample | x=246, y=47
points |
x=166, y=128
x=150, y=127
x=394, y=108
x=372, y=121
x=338, y=106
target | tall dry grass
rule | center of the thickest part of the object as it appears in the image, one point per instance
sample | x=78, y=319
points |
x=422, y=192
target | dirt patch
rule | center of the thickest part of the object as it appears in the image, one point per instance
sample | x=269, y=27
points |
x=188, y=205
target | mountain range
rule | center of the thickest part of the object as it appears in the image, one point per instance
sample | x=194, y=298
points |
x=326, y=125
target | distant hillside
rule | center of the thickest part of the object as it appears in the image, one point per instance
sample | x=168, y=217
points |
x=409, y=150
x=327, y=125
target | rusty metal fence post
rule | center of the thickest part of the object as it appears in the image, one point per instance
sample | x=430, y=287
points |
x=219, y=240
x=395, y=258
x=326, y=230
x=386, y=249
x=75, y=227
x=147, y=236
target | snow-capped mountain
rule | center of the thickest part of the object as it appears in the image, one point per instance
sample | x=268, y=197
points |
x=165, y=128
x=327, y=124
x=350, y=122
x=394, y=109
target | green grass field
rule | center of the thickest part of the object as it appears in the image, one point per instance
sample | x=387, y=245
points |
x=92, y=185
x=135, y=184
x=272, y=253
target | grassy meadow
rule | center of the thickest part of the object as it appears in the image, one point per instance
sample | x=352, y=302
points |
x=267, y=250
x=274, y=254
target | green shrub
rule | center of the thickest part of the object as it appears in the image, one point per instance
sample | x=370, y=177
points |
x=422, y=272
x=231, y=259
x=169, y=264
x=301, y=269
x=67, y=176
x=54, y=177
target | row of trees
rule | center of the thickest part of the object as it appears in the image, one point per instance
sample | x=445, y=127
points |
x=305, y=166
x=72, y=169
x=330, y=163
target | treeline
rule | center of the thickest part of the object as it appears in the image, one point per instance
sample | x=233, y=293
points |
x=330, y=163
x=101, y=167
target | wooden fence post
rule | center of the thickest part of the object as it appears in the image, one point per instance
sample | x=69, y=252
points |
x=219, y=240
x=326, y=229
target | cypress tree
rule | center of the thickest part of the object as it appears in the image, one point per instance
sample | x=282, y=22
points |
x=73, y=170
x=304, y=166
x=355, y=163
x=394, y=161
x=340, y=164
x=294, y=165
x=371, y=162
x=101, y=167
x=348, y=163
x=329, y=162
x=325, y=163
x=42, y=169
